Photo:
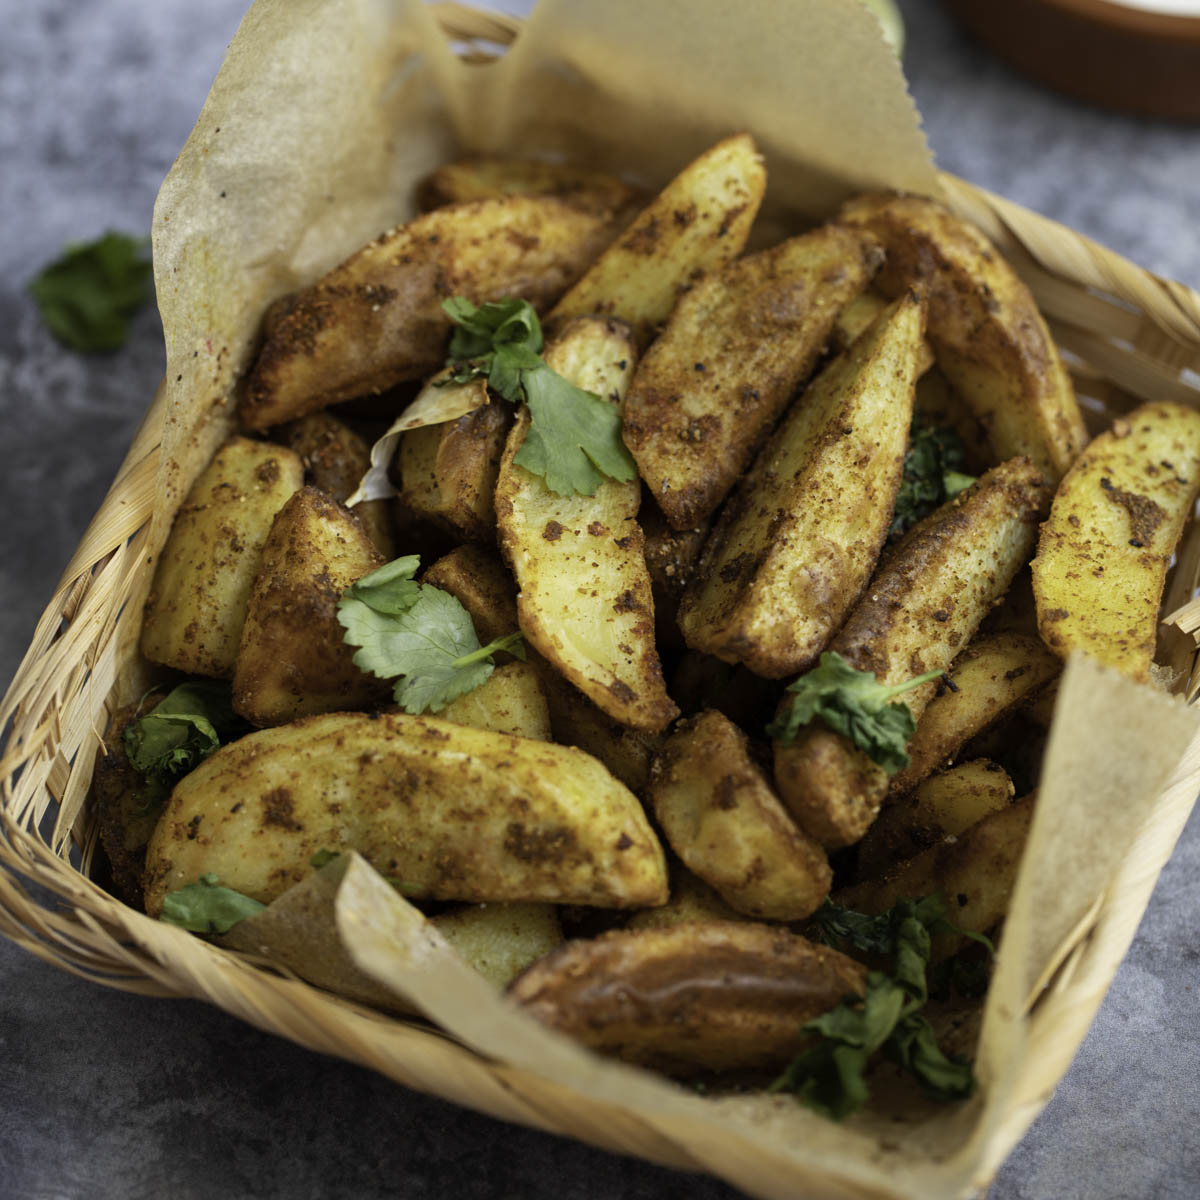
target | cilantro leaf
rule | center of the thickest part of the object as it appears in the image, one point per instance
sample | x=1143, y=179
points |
x=931, y=474
x=207, y=907
x=181, y=731
x=574, y=440
x=853, y=704
x=418, y=635
x=87, y=295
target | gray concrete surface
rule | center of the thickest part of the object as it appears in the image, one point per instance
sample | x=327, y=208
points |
x=111, y=1096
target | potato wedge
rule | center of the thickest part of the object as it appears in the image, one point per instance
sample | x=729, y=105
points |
x=691, y=900
x=1102, y=557
x=479, y=178
x=448, y=812
x=293, y=660
x=377, y=320
x=482, y=585
x=925, y=602
x=735, y=348
x=716, y=996
x=854, y=319
x=699, y=221
x=501, y=940
x=985, y=328
x=511, y=701
x=585, y=600
x=796, y=545
x=201, y=589
x=941, y=806
x=717, y=810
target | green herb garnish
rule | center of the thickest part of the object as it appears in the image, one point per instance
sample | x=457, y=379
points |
x=418, y=635
x=181, y=731
x=207, y=907
x=931, y=474
x=574, y=439
x=87, y=296
x=853, y=704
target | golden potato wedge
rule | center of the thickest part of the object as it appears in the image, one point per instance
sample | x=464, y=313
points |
x=510, y=701
x=479, y=178
x=1102, y=557
x=975, y=870
x=691, y=900
x=986, y=331
x=446, y=811
x=941, y=806
x=197, y=602
x=585, y=600
x=293, y=660
x=501, y=940
x=377, y=319
x=796, y=545
x=716, y=809
x=925, y=602
x=699, y=221
x=735, y=348
x=716, y=996
x=335, y=458
x=853, y=320
x=482, y=585
x=448, y=472
x=987, y=682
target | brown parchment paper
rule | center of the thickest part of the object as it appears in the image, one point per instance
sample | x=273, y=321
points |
x=324, y=115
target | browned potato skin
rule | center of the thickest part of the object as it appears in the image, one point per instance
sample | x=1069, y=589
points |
x=736, y=346
x=796, y=545
x=926, y=601
x=482, y=585
x=986, y=331
x=722, y=819
x=992, y=677
x=202, y=581
x=713, y=996
x=377, y=320
x=450, y=812
x=1103, y=553
x=293, y=660
x=335, y=458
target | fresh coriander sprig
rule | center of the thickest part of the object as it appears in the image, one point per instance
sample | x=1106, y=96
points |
x=574, y=439
x=181, y=731
x=931, y=474
x=418, y=635
x=852, y=703
x=207, y=907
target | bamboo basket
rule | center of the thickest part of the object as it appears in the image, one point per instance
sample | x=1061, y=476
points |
x=1128, y=336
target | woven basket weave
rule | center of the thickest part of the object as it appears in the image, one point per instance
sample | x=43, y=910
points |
x=1128, y=336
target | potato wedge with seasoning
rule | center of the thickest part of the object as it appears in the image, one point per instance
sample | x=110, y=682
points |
x=984, y=326
x=926, y=601
x=585, y=601
x=735, y=348
x=716, y=996
x=1102, y=557
x=501, y=940
x=447, y=811
x=854, y=319
x=717, y=810
x=796, y=545
x=698, y=222
x=377, y=319
x=201, y=589
x=510, y=701
x=691, y=900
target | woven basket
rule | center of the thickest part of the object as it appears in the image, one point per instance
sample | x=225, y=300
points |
x=1128, y=336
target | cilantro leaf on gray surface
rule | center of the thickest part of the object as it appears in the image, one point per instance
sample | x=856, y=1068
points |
x=931, y=474
x=207, y=907
x=181, y=731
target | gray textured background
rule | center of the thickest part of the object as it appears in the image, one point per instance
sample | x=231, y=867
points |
x=109, y=1096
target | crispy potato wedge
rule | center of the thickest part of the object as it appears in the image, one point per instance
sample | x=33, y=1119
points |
x=448, y=472
x=986, y=331
x=853, y=320
x=691, y=900
x=585, y=601
x=735, y=348
x=293, y=660
x=698, y=222
x=926, y=601
x=479, y=178
x=987, y=682
x=447, y=811
x=717, y=810
x=511, y=701
x=716, y=996
x=941, y=806
x=796, y=545
x=201, y=589
x=1102, y=557
x=975, y=870
x=335, y=458
x=377, y=319
x=482, y=585
x=501, y=940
